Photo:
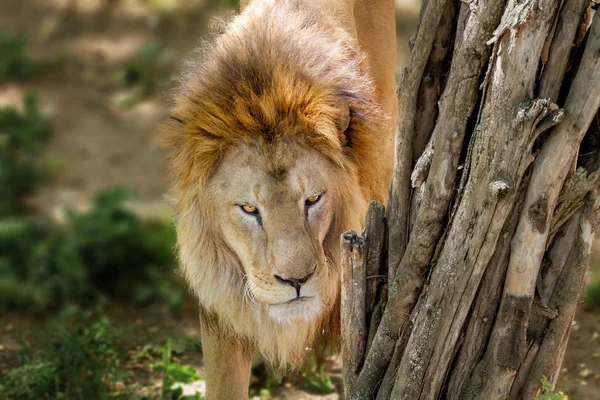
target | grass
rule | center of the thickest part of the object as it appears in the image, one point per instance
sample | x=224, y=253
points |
x=80, y=360
x=100, y=251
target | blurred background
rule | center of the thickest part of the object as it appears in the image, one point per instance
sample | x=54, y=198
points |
x=91, y=306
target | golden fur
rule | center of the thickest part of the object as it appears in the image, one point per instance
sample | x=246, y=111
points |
x=284, y=82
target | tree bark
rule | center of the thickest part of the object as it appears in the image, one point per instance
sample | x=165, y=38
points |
x=486, y=259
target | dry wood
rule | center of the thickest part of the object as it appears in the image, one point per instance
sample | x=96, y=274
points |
x=427, y=105
x=480, y=218
x=376, y=272
x=456, y=105
x=485, y=306
x=387, y=384
x=433, y=77
x=580, y=232
x=354, y=327
x=508, y=341
x=571, y=197
x=398, y=205
x=564, y=299
x=383, y=344
x=374, y=240
x=567, y=26
x=555, y=260
x=551, y=170
x=419, y=174
x=459, y=317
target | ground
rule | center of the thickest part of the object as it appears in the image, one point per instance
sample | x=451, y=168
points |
x=100, y=143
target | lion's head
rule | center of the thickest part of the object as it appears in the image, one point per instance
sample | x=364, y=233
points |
x=276, y=205
x=272, y=138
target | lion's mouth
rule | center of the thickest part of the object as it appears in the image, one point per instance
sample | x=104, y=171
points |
x=295, y=299
x=303, y=307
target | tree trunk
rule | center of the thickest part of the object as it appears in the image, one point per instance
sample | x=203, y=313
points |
x=467, y=287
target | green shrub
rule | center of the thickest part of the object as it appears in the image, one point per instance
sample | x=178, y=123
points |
x=144, y=74
x=115, y=245
x=14, y=62
x=21, y=137
x=39, y=268
x=592, y=294
x=78, y=361
x=103, y=250
x=106, y=250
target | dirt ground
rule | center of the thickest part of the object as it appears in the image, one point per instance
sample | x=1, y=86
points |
x=102, y=144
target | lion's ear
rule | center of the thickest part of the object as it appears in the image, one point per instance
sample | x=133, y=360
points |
x=344, y=126
x=345, y=121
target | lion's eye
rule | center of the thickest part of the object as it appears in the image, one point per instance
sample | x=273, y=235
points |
x=249, y=208
x=313, y=199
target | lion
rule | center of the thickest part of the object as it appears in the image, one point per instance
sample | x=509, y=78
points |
x=280, y=135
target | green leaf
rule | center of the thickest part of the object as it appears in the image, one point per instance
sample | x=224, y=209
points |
x=182, y=373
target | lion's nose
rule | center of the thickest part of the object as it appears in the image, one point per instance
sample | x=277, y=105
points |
x=294, y=282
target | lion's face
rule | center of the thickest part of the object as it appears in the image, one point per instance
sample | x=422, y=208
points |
x=275, y=208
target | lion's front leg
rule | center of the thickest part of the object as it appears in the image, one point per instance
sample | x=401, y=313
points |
x=227, y=364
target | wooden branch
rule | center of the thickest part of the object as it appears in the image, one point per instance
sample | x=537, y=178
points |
x=551, y=169
x=456, y=105
x=398, y=205
x=567, y=26
x=469, y=247
x=543, y=309
x=572, y=197
x=556, y=259
x=455, y=323
x=419, y=174
x=501, y=155
x=387, y=384
x=485, y=306
x=565, y=298
x=398, y=208
x=376, y=274
x=354, y=327
x=500, y=159
x=376, y=316
x=415, y=205
x=431, y=84
x=508, y=342
x=541, y=314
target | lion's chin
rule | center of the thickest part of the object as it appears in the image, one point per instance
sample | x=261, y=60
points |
x=304, y=308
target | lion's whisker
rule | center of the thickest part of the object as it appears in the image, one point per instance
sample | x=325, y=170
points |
x=248, y=293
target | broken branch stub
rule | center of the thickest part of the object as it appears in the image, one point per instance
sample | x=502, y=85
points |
x=354, y=329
